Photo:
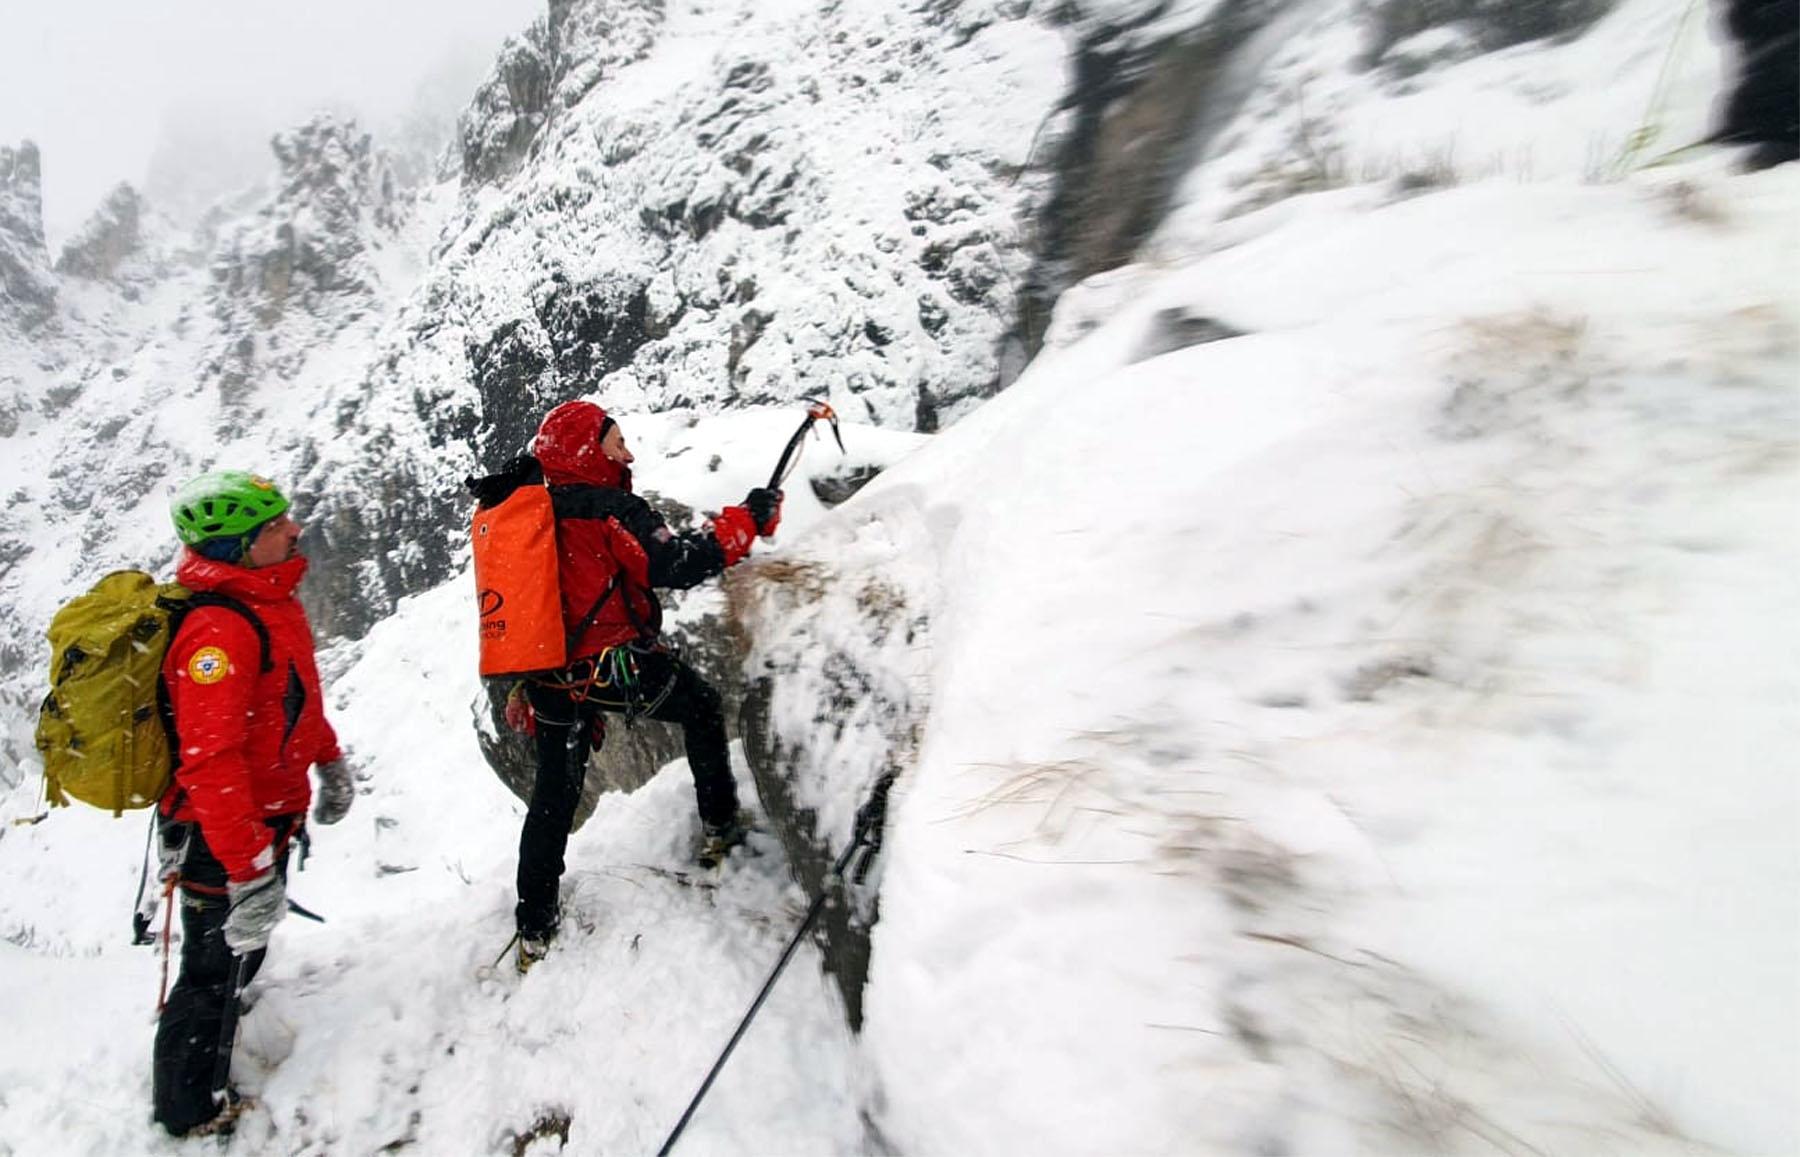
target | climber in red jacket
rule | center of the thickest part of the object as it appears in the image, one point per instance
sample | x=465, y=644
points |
x=612, y=550
x=249, y=720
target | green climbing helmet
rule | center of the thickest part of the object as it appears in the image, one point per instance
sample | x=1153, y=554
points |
x=224, y=504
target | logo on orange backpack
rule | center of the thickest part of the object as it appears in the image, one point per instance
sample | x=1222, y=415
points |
x=491, y=601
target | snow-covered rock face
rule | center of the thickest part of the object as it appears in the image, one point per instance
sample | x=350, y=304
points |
x=1483, y=25
x=839, y=638
x=25, y=277
x=548, y=70
x=1150, y=88
x=156, y=357
x=308, y=249
x=111, y=237
x=778, y=220
x=668, y=208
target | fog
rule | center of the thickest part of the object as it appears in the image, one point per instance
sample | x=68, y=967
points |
x=179, y=97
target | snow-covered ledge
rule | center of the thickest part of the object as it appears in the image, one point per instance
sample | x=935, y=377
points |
x=837, y=634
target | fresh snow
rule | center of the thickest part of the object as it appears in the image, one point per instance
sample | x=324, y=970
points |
x=388, y=1023
x=1367, y=734
x=1389, y=722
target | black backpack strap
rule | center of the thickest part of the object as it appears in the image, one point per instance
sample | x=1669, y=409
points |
x=587, y=620
x=199, y=599
x=492, y=490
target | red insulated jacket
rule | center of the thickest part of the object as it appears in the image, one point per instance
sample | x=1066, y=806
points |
x=612, y=547
x=247, y=736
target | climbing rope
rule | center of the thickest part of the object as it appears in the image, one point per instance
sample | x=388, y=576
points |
x=870, y=819
x=1651, y=128
x=168, y=931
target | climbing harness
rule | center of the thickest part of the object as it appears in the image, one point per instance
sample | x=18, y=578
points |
x=612, y=669
x=612, y=679
x=171, y=856
x=871, y=818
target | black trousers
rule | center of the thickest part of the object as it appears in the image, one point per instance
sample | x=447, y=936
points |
x=667, y=690
x=187, y=1048
x=1764, y=101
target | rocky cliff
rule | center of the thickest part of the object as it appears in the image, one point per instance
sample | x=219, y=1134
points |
x=26, y=282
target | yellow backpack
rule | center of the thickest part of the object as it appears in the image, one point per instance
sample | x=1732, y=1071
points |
x=104, y=730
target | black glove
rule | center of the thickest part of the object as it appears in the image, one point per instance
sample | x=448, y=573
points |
x=764, y=506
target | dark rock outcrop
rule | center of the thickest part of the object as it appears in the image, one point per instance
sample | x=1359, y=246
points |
x=844, y=926
x=549, y=68
x=111, y=237
x=310, y=241
x=26, y=281
x=835, y=651
x=1177, y=329
x=514, y=375
x=375, y=533
x=508, y=110
x=1489, y=25
x=1134, y=104
x=575, y=336
x=841, y=485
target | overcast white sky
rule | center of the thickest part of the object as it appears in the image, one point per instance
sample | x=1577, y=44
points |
x=98, y=83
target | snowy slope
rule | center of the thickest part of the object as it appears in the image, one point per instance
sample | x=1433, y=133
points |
x=1364, y=734
x=387, y=1024
x=1367, y=734
x=1377, y=795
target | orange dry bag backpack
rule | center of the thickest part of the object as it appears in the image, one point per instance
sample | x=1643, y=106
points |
x=520, y=599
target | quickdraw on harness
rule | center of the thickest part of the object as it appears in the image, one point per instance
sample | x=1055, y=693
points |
x=611, y=678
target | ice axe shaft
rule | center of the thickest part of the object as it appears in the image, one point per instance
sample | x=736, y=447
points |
x=816, y=411
x=228, y=1022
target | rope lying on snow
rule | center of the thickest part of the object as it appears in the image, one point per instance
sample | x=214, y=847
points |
x=869, y=821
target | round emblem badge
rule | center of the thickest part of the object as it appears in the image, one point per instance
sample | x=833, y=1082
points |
x=209, y=665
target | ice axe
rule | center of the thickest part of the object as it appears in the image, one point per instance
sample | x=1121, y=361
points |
x=816, y=411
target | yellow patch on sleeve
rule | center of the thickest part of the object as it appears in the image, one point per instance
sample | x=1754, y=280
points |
x=209, y=665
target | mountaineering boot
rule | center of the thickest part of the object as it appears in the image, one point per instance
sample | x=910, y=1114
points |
x=531, y=950
x=717, y=840
x=222, y=1125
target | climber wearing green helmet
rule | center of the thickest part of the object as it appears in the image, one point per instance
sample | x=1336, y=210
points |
x=249, y=718
x=220, y=514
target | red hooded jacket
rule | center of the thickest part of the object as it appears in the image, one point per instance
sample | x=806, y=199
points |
x=247, y=736
x=604, y=533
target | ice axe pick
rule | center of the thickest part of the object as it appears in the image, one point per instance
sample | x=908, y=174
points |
x=816, y=411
